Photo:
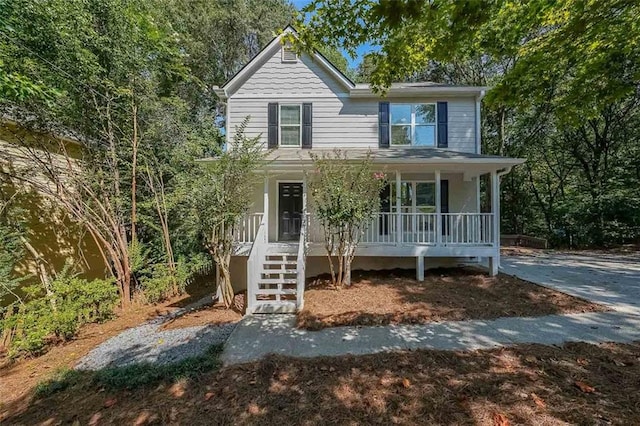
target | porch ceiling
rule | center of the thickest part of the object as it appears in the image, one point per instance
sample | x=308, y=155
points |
x=406, y=159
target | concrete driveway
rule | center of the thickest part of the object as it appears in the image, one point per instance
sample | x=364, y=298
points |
x=610, y=279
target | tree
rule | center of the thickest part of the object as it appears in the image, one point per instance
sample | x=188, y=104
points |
x=345, y=196
x=564, y=80
x=221, y=193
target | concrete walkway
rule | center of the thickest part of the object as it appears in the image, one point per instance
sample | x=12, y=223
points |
x=612, y=280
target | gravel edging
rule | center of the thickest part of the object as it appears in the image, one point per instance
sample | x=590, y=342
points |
x=147, y=343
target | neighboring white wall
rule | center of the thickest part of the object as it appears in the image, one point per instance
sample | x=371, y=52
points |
x=338, y=121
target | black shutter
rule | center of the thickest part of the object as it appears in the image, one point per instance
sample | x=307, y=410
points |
x=443, y=125
x=444, y=204
x=383, y=124
x=272, y=120
x=307, y=113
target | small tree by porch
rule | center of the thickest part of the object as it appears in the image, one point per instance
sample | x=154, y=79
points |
x=345, y=196
x=221, y=194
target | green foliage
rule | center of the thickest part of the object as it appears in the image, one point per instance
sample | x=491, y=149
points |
x=345, y=195
x=134, y=376
x=220, y=194
x=11, y=248
x=39, y=321
x=564, y=94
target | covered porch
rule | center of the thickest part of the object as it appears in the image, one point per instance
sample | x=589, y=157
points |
x=431, y=207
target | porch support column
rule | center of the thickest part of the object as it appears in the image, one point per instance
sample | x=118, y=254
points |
x=265, y=205
x=398, y=207
x=420, y=268
x=438, y=209
x=304, y=193
x=494, y=261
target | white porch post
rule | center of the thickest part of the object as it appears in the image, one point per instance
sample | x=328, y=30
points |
x=398, y=207
x=265, y=205
x=494, y=261
x=438, y=209
x=420, y=268
x=304, y=193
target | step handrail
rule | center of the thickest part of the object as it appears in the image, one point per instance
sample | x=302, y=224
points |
x=253, y=265
x=302, y=261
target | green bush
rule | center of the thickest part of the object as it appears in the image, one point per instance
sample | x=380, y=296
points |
x=161, y=283
x=35, y=323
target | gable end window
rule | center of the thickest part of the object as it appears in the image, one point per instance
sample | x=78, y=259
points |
x=288, y=54
x=413, y=124
x=290, y=125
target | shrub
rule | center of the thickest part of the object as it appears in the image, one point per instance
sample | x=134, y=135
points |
x=34, y=324
x=162, y=283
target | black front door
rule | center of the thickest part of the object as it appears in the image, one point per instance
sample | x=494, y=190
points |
x=289, y=211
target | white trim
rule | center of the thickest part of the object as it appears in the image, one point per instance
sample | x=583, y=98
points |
x=478, y=122
x=413, y=124
x=278, y=182
x=289, y=95
x=280, y=105
x=414, y=191
x=438, y=207
x=282, y=51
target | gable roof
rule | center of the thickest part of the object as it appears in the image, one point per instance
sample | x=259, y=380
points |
x=241, y=76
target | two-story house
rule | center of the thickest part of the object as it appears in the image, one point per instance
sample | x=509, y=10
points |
x=425, y=136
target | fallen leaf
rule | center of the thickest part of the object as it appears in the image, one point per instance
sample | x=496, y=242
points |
x=500, y=419
x=539, y=401
x=110, y=402
x=582, y=361
x=208, y=396
x=406, y=383
x=585, y=387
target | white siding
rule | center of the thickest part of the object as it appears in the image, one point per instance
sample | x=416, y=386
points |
x=338, y=121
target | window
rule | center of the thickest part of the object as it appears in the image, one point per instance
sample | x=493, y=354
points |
x=288, y=54
x=413, y=124
x=415, y=197
x=290, y=125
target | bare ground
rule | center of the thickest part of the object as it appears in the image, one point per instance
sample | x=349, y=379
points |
x=451, y=294
x=19, y=377
x=530, y=384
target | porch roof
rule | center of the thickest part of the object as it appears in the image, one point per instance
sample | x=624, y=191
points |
x=434, y=158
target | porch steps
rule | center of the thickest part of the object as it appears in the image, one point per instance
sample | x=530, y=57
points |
x=277, y=283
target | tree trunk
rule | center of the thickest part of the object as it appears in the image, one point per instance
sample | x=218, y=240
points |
x=42, y=273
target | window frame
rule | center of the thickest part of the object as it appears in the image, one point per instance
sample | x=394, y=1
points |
x=412, y=125
x=299, y=125
x=414, y=206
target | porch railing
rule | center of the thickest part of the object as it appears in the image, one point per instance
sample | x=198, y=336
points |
x=248, y=227
x=462, y=229
x=472, y=229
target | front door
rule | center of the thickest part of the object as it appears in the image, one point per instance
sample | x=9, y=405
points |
x=289, y=210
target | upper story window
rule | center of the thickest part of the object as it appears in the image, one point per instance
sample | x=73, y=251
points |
x=413, y=124
x=290, y=125
x=288, y=54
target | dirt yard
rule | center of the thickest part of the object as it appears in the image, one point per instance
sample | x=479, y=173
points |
x=576, y=384
x=396, y=297
x=18, y=378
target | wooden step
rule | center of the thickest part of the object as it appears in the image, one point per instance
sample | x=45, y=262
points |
x=275, y=291
x=279, y=272
x=279, y=262
x=275, y=307
x=277, y=281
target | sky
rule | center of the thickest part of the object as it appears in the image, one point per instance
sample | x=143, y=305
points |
x=361, y=51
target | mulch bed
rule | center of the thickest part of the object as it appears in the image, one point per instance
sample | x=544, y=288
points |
x=531, y=384
x=216, y=314
x=446, y=294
